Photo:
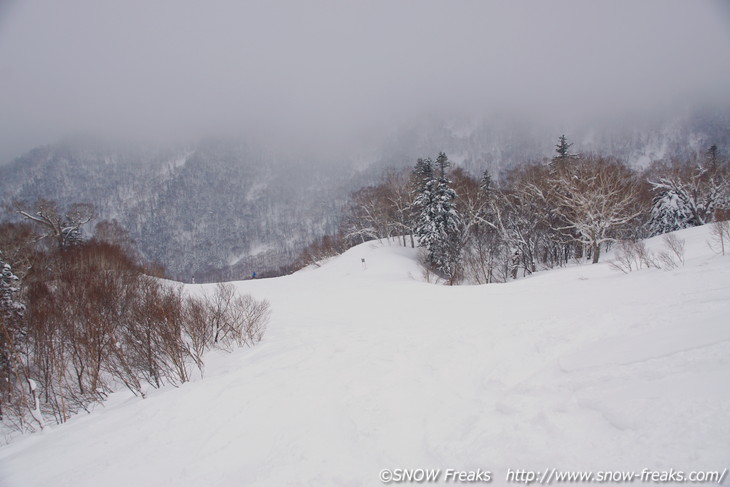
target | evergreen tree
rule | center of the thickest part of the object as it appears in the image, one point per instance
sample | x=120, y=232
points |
x=670, y=212
x=10, y=307
x=438, y=227
x=689, y=196
x=486, y=183
x=563, y=152
x=11, y=333
x=563, y=148
x=422, y=174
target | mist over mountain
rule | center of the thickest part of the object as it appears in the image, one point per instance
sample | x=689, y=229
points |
x=499, y=141
x=224, y=208
x=214, y=204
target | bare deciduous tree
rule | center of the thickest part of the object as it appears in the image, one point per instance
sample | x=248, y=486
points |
x=62, y=225
x=595, y=197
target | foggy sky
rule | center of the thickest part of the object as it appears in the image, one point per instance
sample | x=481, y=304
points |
x=335, y=69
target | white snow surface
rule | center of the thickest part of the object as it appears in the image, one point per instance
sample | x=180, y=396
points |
x=365, y=368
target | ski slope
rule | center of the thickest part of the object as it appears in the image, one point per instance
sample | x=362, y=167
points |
x=367, y=368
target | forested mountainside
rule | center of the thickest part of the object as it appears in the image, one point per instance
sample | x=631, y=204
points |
x=217, y=210
x=222, y=209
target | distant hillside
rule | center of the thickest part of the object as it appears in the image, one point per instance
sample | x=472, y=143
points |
x=215, y=210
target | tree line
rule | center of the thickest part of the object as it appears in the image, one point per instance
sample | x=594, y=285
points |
x=540, y=215
x=81, y=318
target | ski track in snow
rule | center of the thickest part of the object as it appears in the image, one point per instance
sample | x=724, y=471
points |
x=582, y=368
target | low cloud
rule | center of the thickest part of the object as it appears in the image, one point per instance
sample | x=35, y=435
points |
x=330, y=69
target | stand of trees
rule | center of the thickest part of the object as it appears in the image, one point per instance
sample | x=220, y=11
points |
x=542, y=215
x=82, y=318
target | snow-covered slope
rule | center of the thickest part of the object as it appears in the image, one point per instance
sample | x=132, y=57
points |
x=366, y=367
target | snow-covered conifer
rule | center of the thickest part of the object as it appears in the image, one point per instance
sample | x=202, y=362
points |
x=689, y=196
x=9, y=304
x=438, y=226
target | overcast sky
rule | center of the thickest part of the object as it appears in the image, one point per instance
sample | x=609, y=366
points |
x=332, y=68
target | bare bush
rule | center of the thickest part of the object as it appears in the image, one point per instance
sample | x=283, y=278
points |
x=237, y=320
x=719, y=236
x=673, y=256
x=174, y=344
x=198, y=329
x=257, y=319
x=632, y=255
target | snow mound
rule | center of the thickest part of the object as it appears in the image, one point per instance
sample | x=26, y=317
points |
x=382, y=260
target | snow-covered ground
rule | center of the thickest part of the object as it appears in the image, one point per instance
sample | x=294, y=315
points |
x=367, y=367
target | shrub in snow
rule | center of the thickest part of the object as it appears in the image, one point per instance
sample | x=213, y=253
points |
x=236, y=320
x=673, y=255
x=719, y=236
x=631, y=255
